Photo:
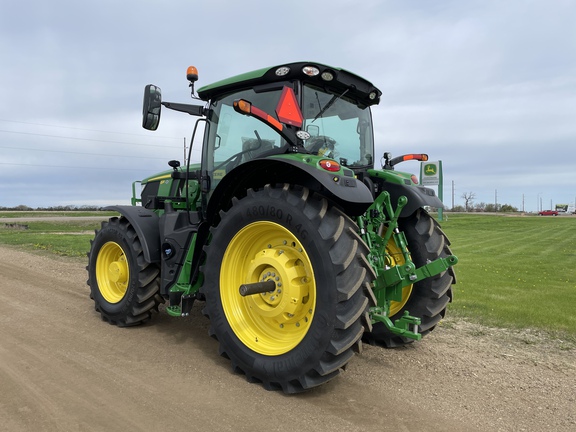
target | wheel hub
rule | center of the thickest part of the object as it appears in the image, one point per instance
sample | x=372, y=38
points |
x=112, y=272
x=271, y=322
x=118, y=271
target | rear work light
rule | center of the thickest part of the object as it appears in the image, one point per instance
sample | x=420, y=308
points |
x=310, y=70
x=282, y=71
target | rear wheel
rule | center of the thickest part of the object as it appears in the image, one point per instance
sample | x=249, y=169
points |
x=428, y=298
x=306, y=328
x=124, y=287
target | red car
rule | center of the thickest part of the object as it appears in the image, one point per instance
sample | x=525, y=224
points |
x=548, y=213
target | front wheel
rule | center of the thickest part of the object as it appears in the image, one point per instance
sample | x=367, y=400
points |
x=305, y=329
x=428, y=298
x=124, y=287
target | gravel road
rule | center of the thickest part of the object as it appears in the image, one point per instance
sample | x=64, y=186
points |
x=63, y=369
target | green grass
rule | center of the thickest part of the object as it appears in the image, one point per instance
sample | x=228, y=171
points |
x=45, y=214
x=515, y=272
x=61, y=238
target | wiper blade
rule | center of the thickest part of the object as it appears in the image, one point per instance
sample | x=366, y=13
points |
x=329, y=104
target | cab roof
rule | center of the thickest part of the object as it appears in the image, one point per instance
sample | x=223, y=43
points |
x=310, y=72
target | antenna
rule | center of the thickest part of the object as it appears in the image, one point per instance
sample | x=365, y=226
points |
x=184, y=150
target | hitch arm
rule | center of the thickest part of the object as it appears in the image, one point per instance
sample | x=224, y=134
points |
x=407, y=274
x=392, y=276
x=401, y=326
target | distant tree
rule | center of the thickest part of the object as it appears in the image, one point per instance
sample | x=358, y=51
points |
x=458, y=209
x=480, y=207
x=508, y=208
x=468, y=198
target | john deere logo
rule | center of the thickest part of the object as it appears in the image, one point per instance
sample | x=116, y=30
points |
x=430, y=169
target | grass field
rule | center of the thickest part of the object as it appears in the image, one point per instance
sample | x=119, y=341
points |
x=513, y=271
x=46, y=214
x=70, y=238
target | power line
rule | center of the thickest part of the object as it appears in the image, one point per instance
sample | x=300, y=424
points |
x=81, y=153
x=88, y=130
x=89, y=139
x=71, y=167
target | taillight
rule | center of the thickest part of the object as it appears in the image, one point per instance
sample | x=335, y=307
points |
x=329, y=165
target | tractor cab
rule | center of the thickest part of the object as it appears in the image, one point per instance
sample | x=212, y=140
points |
x=298, y=108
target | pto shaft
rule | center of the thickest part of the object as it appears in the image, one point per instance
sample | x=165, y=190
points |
x=257, y=288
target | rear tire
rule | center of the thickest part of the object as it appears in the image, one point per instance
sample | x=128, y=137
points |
x=428, y=298
x=124, y=287
x=302, y=334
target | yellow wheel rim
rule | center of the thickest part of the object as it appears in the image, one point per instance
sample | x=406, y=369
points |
x=270, y=323
x=396, y=258
x=112, y=272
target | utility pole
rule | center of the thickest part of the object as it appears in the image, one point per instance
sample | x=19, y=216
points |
x=453, y=195
x=495, y=199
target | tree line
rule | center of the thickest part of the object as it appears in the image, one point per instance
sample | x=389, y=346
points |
x=23, y=207
x=471, y=206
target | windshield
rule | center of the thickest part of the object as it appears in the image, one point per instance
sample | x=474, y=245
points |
x=339, y=129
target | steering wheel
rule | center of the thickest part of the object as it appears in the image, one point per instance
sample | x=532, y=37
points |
x=236, y=156
x=321, y=145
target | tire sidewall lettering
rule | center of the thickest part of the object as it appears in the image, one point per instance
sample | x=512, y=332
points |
x=275, y=213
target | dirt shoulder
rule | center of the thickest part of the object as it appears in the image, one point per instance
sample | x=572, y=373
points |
x=63, y=369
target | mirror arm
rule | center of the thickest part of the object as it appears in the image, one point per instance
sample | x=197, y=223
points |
x=195, y=110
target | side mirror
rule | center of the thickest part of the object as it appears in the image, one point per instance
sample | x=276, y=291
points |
x=151, y=107
x=313, y=130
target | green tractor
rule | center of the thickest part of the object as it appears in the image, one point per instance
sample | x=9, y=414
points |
x=299, y=248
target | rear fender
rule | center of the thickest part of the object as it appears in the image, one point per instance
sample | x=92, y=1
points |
x=347, y=192
x=418, y=197
x=397, y=186
x=146, y=225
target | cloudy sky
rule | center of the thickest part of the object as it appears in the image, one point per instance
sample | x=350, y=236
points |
x=486, y=86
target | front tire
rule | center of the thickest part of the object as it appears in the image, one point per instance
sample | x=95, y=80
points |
x=306, y=330
x=427, y=299
x=124, y=287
